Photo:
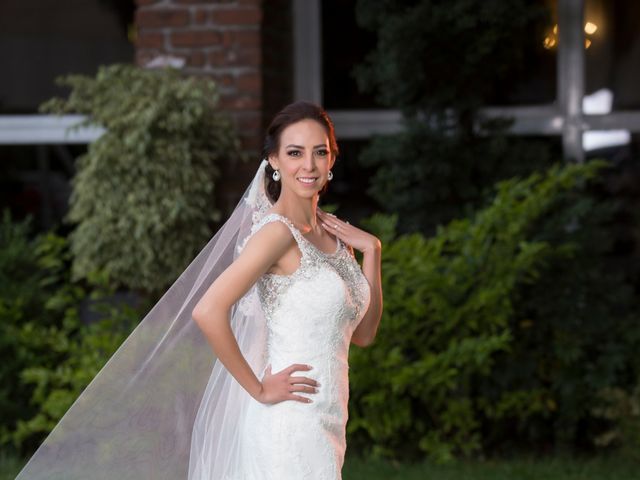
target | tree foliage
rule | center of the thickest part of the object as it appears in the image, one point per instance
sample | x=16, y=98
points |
x=143, y=195
x=437, y=55
x=438, y=62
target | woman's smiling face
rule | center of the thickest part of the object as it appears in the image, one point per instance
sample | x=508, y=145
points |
x=304, y=158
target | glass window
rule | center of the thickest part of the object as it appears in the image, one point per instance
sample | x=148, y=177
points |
x=344, y=44
x=533, y=81
x=40, y=40
x=35, y=181
x=348, y=189
x=617, y=146
x=613, y=51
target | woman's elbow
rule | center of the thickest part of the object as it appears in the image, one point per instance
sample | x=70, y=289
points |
x=200, y=314
x=362, y=340
x=203, y=315
x=197, y=315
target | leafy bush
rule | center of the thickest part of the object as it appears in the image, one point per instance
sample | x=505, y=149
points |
x=449, y=300
x=622, y=409
x=48, y=354
x=429, y=178
x=22, y=297
x=143, y=195
x=575, y=332
x=80, y=352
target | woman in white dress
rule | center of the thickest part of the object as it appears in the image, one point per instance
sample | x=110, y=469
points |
x=240, y=370
x=316, y=301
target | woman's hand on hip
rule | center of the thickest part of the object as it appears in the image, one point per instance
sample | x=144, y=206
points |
x=281, y=386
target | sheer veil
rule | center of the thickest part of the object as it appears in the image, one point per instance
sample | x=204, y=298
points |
x=162, y=407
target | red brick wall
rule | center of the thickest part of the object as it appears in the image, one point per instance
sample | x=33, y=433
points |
x=223, y=40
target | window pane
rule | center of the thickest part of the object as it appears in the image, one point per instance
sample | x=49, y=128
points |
x=41, y=40
x=35, y=180
x=344, y=44
x=533, y=81
x=613, y=51
x=348, y=189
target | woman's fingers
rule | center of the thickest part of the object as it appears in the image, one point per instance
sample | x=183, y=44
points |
x=295, y=384
x=302, y=388
x=300, y=398
x=280, y=387
x=332, y=222
x=334, y=228
x=329, y=217
x=307, y=380
x=296, y=367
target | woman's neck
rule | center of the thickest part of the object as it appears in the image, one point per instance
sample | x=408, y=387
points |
x=301, y=211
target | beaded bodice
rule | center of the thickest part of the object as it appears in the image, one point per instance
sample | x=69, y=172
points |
x=322, y=301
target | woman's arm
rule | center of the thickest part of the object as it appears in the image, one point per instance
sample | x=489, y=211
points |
x=212, y=313
x=365, y=332
x=371, y=247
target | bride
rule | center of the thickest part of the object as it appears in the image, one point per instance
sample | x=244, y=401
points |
x=316, y=300
x=240, y=371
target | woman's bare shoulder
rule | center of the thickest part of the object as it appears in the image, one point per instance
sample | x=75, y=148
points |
x=270, y=234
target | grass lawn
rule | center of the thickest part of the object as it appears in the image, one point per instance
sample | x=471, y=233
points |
x=9, y=466
x=552, y=468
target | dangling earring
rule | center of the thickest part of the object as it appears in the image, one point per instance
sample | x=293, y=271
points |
x=330, y=175
x=276, y=175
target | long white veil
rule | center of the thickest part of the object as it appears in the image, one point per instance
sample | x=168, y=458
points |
x=162, y=407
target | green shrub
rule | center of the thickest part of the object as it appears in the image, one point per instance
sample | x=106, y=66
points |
x=429, y=178
x=23, y=291
x=622, y=409
x=80, y=352
x=448, y=304
x=48, y=354
x=143, y=194
x=575, y=331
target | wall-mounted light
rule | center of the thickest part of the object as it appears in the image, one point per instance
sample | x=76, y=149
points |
x=551, y=40
x=590, y=28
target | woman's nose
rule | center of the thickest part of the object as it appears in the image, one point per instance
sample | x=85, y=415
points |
x=309, y=161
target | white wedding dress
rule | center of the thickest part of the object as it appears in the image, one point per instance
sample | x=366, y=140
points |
x=311, y=315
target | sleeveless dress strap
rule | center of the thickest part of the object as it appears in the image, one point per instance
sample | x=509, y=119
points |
x=297, y=235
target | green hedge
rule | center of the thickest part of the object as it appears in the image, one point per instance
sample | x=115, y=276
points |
x=48, y=354
x=449, y=303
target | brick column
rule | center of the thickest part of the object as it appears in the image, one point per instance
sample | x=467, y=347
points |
x=222, y=40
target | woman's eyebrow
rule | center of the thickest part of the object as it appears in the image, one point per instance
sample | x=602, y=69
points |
x=300, y=146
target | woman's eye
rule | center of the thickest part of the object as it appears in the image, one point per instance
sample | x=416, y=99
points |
x=322, y=152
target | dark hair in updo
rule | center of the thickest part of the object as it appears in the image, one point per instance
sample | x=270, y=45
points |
x=292, y=113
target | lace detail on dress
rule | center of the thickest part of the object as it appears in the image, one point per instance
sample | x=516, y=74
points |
x=311, y=314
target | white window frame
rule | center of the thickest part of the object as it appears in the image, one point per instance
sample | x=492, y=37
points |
x=564, y=117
